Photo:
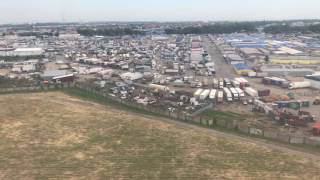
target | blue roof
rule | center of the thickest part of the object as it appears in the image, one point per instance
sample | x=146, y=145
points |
x=250, y=45
x=241, y=66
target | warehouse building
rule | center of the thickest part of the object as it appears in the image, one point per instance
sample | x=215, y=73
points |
x=242, y=69
x=285, y=71
x=233, y=58
x=301, y=60
x=21, y=52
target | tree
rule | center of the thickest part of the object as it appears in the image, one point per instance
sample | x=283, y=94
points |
x=267, y=59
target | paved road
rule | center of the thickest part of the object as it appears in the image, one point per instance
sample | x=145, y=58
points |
x=223, y=70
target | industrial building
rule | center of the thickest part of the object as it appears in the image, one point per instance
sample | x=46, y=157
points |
x=20, y=52
x=299, y=60
x=280, y=70
x=233, y=58
x=242, y=69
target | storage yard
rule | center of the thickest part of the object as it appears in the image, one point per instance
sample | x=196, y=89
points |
x=55, y=136
x=274, y=76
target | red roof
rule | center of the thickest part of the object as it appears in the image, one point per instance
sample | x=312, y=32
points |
x=316, y=126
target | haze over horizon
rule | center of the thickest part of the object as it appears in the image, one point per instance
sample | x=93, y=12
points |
x=17, y=11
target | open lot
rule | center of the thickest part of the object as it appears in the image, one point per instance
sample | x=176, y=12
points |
x=52, y=135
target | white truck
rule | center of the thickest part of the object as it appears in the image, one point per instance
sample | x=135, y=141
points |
x=204, y=95
x=240, y=92
x=220, y=97
x=235, y=94
x=198, y=93
x=213, y=94
x=297, y=85
x=228, y=94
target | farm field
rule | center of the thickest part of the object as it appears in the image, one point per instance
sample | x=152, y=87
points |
x=53, y=135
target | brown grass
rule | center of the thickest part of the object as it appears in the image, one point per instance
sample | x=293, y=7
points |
x=51, y=135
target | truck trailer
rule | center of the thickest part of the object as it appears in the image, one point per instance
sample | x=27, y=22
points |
x=298, y=85
x=251, y=92
x=213, y=94
x=235, y=94
x=240, y=92
x=227, y=94
x=198, y=93
x=204, y=95
x=220, y=97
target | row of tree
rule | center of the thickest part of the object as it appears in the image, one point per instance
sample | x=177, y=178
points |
x=109, y=32
x=38, y=34
x=219, y=28
x=276, y=29
x=248, y=27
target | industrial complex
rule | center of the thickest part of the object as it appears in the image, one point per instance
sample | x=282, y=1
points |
x=275, y=75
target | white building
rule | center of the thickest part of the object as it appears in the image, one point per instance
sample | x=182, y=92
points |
x=131, y=76
x=20, y=52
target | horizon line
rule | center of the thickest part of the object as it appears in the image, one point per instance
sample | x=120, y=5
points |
x=156, y=21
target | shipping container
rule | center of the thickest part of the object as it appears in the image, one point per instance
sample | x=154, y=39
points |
x=294, y=105
x=264, y=93
x=282, y=104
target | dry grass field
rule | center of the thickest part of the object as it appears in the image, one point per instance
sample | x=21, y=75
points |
x=52, y=135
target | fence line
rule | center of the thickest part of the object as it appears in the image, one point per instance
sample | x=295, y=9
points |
x=233, y=125
x=209, y=106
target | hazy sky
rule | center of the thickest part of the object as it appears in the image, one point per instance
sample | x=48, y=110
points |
x=18, y=11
